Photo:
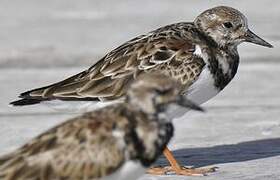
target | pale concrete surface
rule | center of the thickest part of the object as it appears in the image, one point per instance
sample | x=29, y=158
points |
x=46, y=41
x=53, y=33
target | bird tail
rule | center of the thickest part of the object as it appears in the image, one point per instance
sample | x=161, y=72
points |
x=23, y=102
x=46, y=93
x=28, y=99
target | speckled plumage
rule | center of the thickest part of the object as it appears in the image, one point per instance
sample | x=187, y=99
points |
x=170, y=50
x=99, y=143
x=201, y=55
x=167, y=50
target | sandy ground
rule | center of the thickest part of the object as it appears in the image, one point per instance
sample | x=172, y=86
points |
x=45, y=41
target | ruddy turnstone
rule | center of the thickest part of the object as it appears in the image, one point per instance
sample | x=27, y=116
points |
x=115, y=142
x=202, y=55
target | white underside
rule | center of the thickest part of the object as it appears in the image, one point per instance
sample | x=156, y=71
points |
x=203, y=88
x=131, y=170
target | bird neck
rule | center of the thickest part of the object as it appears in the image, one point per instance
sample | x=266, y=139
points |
x=222, y=61
x=206, y=38
x=223, y=64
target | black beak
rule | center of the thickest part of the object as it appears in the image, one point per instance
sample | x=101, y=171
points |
x=184, y=102
x=253, y=38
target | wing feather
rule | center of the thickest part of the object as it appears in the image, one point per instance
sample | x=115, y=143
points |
x=169, y=50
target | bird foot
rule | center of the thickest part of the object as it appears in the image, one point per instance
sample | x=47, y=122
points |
x=185, y=171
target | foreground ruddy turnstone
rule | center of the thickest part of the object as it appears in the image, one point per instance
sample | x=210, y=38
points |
x=202, y=55
x=115, y=142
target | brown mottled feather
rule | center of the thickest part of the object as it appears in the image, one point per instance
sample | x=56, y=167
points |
x=169, y=50
x=67, y=150
x=99, y=143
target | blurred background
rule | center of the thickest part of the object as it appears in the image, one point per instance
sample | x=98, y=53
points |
x=72, y=33
x=45, y=41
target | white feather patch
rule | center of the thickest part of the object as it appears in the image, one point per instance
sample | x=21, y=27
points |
x=198, y=51
x=203, y=88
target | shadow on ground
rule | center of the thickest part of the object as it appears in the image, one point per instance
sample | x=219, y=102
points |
x=245, y=151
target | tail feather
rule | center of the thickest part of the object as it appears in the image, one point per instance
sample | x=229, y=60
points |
x=23, y=102
x=45, y=93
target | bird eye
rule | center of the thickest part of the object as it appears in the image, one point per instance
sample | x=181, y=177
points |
x=228, y=25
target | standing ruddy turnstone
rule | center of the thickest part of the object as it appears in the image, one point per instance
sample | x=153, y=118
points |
x=115, y=142
x=202, y=55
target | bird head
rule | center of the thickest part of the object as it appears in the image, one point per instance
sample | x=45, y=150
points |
x=153, y=93
x=227, y=27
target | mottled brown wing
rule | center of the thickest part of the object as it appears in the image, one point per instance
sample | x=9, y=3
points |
x=167, y=50
x=81, y=149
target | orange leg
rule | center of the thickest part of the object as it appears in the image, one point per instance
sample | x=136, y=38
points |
x=177, y=169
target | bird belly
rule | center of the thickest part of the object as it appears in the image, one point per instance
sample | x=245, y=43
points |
x=203, y=88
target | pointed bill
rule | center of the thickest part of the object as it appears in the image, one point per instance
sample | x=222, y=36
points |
x=184, y=102
x=253, y=38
